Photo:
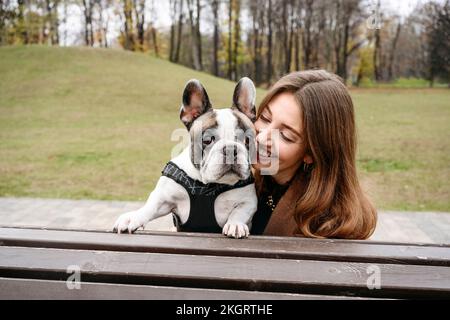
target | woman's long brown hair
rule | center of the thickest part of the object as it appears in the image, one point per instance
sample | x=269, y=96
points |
x=333, y=204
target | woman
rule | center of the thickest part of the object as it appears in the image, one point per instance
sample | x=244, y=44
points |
x=315, y=192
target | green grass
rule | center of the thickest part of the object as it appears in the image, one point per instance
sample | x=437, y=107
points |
x=402, y=83
x=404, y=147
x=92, y=123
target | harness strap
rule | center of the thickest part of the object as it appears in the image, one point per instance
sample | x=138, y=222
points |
x=195, y=187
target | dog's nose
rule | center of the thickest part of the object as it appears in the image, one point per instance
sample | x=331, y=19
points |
x=230, y=152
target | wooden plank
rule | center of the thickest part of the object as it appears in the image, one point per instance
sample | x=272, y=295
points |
x=235, y=273
x=215, y=235
x=31, y=289
x=274, y=247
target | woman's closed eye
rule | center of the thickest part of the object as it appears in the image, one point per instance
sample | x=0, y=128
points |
x=264, y=118
x=286, y=137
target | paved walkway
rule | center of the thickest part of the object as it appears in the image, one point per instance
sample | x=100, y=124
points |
x=425, y=227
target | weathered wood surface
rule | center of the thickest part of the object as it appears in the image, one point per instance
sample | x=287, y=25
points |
x=195, y=265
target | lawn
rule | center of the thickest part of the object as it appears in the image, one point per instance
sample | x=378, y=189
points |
x=94, y=123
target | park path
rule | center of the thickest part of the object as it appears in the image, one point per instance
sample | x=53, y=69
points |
x=395, y=226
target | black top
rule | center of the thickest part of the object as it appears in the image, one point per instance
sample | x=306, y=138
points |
x=264, y=211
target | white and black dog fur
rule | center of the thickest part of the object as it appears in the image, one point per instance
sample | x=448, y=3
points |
x=214, y=134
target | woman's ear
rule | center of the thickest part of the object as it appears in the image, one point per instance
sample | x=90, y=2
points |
x=195, y=102
x=244, y=98
x=308, y=159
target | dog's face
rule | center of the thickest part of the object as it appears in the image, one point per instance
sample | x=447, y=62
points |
x=222, y=140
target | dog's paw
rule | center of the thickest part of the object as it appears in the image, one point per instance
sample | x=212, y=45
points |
x=129, y=222
x=235, y=230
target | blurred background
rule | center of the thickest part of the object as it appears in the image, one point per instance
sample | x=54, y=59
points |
x=367, y=42
x=90, y=91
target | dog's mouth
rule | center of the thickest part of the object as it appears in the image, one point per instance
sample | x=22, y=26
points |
x=229, y=170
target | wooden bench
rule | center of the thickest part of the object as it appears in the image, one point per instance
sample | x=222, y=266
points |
x=157, y=265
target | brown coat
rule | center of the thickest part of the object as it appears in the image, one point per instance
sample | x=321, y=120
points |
x=282, y=222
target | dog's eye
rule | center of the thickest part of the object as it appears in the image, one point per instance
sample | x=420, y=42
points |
x=208, y=140
x=248, y=139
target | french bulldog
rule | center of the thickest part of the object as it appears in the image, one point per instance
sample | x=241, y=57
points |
x=209, y=186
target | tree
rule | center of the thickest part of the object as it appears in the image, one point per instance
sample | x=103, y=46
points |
x=236, y=38
x=129, y=43
x=258, y=26
x=215, y=11
x=139, y=13
x=438, y=42
x=307, y=37
x=21, y=26
x=180, y=32
x=101, y=7
x=377, y=52
x=297, y=35
x=269, y=42
x=88, y=27
x=196, y=42
x=348, y=20
x=288, y=32
x=152, y=28
x=173, y=5
x=230, y=34
x=393, y=51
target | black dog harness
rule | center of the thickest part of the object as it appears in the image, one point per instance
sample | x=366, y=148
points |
x=202, y=196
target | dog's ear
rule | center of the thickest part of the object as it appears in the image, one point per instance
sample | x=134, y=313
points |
x=195, y=102
x=244, y=98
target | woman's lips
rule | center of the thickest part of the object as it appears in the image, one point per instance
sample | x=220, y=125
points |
x=263, y=155
x=264, y=151
x=264, y=158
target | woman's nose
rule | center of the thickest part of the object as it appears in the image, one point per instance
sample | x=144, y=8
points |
x=263, y=138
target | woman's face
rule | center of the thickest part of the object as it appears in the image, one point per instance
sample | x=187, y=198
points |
x=282, y=114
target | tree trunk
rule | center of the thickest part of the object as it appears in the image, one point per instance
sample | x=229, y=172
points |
x=288, y=33
x=65, y=23
x=155, y=40
x=377, y=52
x=88, y=34
x=230, y=33
x=129, y=37
x=291, y=37
x=21, y=25
x=392, y=55
x=269, y=43
x=296, y=36
x=2, y=21
x=343, y=70
x=101, y=29
x=215, y=10
x=199, y=35
x=139, y=12
x=297, y=50
x=49, y=22
x=105, y=29
x=55, y=40
x=285, y=25
x=319, y=36
x=194, y=36
x=376, y=56
x=256, y=26
x=173, y=14
x=172, y=43
x=307, y=39
x=237, y=38
x=180, y=32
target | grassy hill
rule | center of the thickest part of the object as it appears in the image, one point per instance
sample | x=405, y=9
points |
x=94, y=123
